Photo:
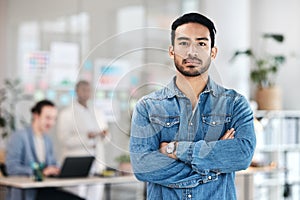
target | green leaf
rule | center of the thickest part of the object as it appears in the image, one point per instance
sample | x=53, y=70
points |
x=276, y=37
x=246, y=52
x=273, y=69
x=279, y=59
x=266, y=64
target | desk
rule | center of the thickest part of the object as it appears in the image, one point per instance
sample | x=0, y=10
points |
x=28, y=182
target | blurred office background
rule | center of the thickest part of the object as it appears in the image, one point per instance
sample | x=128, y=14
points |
x=121, y=47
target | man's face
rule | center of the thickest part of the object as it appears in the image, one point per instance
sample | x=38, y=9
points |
x=46, y=119
x=84, y=92
x=192, y=52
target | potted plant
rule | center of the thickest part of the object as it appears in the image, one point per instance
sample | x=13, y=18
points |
x=125, y=167
x=263, y=74
x=10, y=95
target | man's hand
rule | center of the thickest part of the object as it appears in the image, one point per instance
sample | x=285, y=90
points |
x=162, y=149
x=228, y=135
x=102, y=134
x=92, y=135
x=51, y=170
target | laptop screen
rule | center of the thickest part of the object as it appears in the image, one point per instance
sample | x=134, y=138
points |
x=74, y=167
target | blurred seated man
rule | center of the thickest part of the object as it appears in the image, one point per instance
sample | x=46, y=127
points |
x=32, y=146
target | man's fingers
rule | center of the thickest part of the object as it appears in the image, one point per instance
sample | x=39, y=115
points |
x=162, y=147
x=229, y=134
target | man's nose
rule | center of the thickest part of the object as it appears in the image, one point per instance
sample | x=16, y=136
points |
x=52, y=123
x=192, y=51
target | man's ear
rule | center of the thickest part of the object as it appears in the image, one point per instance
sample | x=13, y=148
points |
x=34, y=116
x=171, y=51
x=214, y=52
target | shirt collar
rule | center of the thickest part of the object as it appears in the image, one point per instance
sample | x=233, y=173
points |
x=173, y=90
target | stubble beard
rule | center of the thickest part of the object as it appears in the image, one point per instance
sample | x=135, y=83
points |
x=192, y=72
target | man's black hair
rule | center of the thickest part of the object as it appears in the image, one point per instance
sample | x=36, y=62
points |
x=194, y=18
x=80, y=83
x=37, y=108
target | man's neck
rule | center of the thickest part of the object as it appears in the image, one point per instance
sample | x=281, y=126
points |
x=36, y=130
x=191, y=86
x=83, y=103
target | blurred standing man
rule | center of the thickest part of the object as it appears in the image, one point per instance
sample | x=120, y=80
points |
x=33, y=146
x=82, y=131
x=189, y=138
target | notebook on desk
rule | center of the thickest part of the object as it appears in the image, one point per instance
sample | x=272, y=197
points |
x=75, y=167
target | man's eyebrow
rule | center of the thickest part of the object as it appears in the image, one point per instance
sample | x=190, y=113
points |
x=186, y=38
x=202, y=38
x=183, y=38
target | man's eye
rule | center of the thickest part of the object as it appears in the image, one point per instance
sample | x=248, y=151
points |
x=183, y=43
x=202, y=44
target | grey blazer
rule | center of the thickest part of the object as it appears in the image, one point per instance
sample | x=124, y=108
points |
x=20, y=155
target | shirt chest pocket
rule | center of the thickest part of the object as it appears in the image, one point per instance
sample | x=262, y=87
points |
x=215, y=125
x=166, y=126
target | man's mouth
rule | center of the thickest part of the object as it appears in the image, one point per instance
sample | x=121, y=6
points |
x=192, y=61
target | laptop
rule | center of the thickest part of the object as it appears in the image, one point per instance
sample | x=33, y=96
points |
x=75, y=167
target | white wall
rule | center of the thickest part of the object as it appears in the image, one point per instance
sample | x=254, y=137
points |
x=238, y=23
x=281, y=17
x=231, y=19
x=3, y=35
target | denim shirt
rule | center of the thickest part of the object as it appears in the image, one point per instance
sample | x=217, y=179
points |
x=206, y=165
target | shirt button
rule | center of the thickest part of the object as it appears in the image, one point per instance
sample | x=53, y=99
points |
x=168, y=124
x=191, y=123
x=214, y=123
x=209, y=177
x=189, y=196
